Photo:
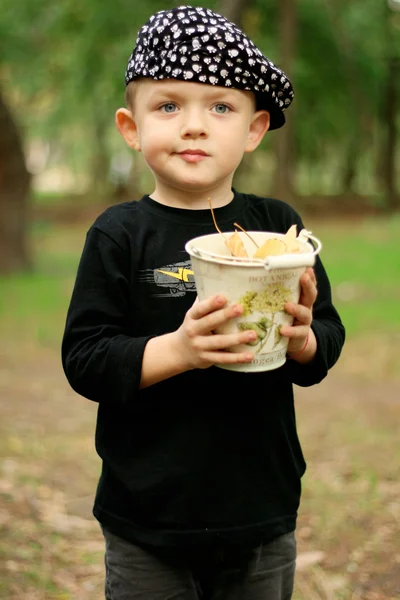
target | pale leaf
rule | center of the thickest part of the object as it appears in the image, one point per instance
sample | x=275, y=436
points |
x=272, y=247
x=236, y=246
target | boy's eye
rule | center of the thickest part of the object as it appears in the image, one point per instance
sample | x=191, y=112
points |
x=169, y=107
x=221, y=109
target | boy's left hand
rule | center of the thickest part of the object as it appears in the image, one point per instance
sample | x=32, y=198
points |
x=302, y=313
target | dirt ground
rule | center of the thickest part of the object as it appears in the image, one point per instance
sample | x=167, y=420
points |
x=348, y=530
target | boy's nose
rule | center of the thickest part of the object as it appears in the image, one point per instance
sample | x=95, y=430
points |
x=194, y=126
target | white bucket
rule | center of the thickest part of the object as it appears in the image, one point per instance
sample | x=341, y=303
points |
x=262, y=286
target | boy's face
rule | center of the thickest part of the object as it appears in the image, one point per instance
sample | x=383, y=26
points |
x=192, y=135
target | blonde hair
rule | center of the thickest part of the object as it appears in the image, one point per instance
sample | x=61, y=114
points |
x=130, y=94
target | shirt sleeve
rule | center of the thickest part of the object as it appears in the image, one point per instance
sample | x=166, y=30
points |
x=100, y=359
x=328, y=329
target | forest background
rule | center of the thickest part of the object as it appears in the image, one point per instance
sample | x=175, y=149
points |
x=62, y=162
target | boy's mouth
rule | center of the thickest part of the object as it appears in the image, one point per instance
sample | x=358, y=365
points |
x=193, y=155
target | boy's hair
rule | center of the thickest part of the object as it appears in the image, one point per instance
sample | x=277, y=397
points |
x=130, y=95
x=198, y=45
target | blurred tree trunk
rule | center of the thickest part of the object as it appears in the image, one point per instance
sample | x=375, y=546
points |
x=362, y=106
x=390, y=144
x=349, y=171
x=284, y=141
x=390, y=107
x=233, y=10
x=100, y=166
x=131, y=188
x=14, y=196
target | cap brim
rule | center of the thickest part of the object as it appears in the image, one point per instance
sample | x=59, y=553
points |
x=277, y=116
x=277, y=119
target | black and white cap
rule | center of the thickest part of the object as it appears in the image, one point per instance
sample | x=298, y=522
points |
x=196, y=44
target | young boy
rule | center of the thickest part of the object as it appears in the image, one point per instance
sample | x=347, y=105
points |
x=201, y=466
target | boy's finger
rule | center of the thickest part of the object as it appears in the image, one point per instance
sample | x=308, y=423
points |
x=300, y=312
x=228, y=358
x=201, y=308
x=227, y=341
x=308, y=279
x=207, y=316
x=311, y=273
x=296, y=332
x=308, y=291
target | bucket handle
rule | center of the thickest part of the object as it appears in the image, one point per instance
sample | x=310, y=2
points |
x=285, y=261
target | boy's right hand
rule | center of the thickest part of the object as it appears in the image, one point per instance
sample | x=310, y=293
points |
x=194, y=345
x=198, y=345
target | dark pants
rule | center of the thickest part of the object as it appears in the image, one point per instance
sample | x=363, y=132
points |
x=264, y=573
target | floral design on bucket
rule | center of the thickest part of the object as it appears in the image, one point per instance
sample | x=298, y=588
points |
x=267, y=304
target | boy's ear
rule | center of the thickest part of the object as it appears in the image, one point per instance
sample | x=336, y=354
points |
x=127, y=127
x=258, y=128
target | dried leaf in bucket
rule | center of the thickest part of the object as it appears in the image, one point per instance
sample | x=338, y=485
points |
x=289, y=244
x=291, y=241
x=271, y=247
x=236, y=246
x=234, y=243
x=291, y=233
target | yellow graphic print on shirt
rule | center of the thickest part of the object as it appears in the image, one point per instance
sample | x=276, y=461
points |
x=174, y=279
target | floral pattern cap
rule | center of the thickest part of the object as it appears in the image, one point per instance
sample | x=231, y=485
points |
x=196, y=44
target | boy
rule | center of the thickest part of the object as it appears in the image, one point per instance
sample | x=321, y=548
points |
x=201, y=466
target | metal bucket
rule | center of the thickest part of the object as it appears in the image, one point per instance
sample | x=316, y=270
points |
x=262, y=286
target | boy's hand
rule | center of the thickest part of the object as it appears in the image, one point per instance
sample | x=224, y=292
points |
x=302, y=313
x=196, y=343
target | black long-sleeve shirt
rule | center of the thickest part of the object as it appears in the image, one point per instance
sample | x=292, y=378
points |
x=208, y=454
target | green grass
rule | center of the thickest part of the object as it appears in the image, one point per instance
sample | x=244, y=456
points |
x=349, y=431
x=47, y=198
x=33, y=305
x=362, y=261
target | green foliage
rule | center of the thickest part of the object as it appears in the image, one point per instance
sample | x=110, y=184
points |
x=62, y=65
x=364, y=270
x=360, y=259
